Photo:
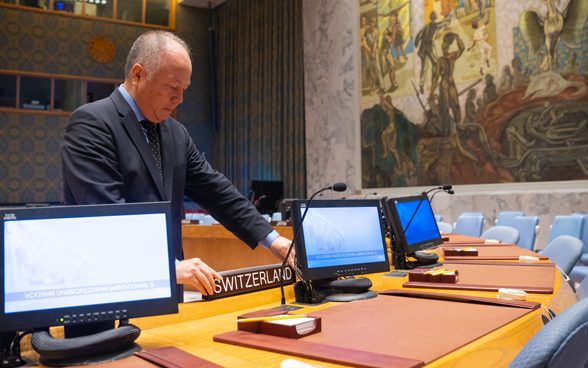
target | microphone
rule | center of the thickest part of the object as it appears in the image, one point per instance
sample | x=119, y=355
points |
x=424, y=195
x=450, y=192
x=337, y=187
x=374, y=193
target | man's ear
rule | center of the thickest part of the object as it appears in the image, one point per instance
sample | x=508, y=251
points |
x=137, y=74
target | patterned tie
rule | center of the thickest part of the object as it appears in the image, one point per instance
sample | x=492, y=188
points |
x=153, y=138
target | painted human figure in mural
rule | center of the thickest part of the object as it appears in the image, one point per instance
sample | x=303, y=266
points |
x=481, y=7
x=572, y=68
x=519, y=78
x=395, y=29
x=448, y=98
x=364, y=51
x=389, y=134
x=505, y=82
x=389, y=66
x=470, y=107
x=372, y=36
x=425, y=42
x=481, y=40
x=490, y=94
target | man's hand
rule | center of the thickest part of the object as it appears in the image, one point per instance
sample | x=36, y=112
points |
x=279, y=249
x=195, y=272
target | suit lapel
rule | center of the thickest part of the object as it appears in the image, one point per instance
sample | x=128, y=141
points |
x=133, y=127
x=167, y=155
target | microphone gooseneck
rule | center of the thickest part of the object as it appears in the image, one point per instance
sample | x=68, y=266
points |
x=424, y=195
x=337, y=187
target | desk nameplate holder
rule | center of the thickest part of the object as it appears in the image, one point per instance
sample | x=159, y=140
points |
x=247, y=280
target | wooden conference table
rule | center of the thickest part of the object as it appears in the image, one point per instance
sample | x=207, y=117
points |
x=193, y=328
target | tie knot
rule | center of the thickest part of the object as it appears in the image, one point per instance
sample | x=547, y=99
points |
x=151, y=127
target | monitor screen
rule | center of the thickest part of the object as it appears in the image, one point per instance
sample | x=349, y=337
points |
x=422, y=233
x=266, y=195
x=84, y=264
x=340, y=238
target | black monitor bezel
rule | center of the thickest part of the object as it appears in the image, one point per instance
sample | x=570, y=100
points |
x=28, y=320
x=322, y=273
x=398, y=231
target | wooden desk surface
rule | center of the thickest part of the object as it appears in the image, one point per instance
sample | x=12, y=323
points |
x=193, y=328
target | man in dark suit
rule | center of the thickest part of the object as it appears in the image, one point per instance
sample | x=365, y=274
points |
x=126, y=148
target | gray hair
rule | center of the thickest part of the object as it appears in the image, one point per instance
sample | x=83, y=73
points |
x=148, y=49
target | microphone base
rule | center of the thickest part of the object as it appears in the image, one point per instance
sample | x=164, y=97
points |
x=287, y=308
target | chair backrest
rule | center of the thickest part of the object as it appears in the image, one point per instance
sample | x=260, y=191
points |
x=195, y=216
x=472, y=214
x=584, y=235
x=469, y=225
x=564, y=251
x=566, y=225
x=438, y=218
x=560, y=343
x=277, y=216
x=526, y=226
x=208, y=220
x=505, y=234
x=507, y=218
x=582, y=290
x=444, y=227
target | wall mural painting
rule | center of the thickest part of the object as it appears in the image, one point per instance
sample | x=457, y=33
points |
x=528, y=122
x=386, y=48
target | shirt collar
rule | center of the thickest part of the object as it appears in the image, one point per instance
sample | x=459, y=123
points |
x=132, y=103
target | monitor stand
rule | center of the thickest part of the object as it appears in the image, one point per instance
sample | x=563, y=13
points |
x=86, y=344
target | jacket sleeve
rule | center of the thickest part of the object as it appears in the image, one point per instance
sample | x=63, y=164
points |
x=217, y=195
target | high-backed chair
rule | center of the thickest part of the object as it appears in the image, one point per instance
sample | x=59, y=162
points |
x=527, y=227
x=583, y=237
x=566, y=225
x=505, y=234
x=564, y=251
x=582, y=290
x=561, y=343
x=208, y=220
x=469, y=225
x=580, y=271
x=444, y=227
x=195, y=216
x=507, y=218
x=277, y=216
x=438, y=218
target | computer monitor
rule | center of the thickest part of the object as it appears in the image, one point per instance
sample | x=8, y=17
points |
x=421, y=234
x=266, y=195
x=85, y=265
x=340, y=238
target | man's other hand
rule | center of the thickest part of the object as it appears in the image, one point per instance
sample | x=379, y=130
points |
x=195, y=272
x=279, y=249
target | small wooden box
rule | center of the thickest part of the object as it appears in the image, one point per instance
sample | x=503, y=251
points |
x=267, y=328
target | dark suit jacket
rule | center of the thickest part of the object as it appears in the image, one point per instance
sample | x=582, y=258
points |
x=106, y=159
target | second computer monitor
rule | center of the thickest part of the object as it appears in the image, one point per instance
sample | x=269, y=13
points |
x=340, y=238
x=422, y=233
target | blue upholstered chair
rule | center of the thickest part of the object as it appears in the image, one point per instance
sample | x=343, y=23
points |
x=505, y=234
x=564, y=251
x=195, y=216
x=208, y=220
x=444, y=227
x=581, y=271
x=507, y=218
x=277, y=216
x=566, y=225
x=583, y=237
x=561, y=343
x=469, y=225
x=438, y=218
x=527, y=227
x=582, y=290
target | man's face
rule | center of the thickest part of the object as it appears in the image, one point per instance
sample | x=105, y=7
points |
x=158, y=96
